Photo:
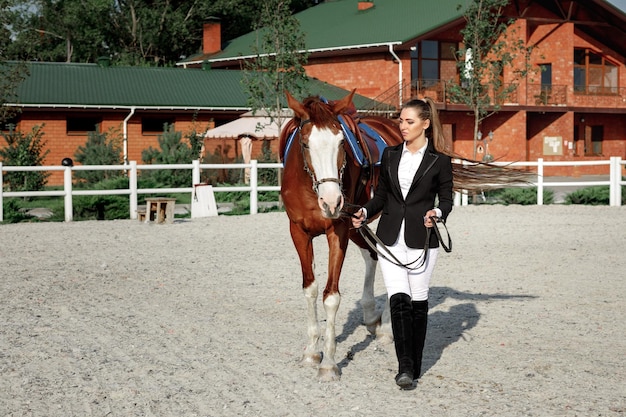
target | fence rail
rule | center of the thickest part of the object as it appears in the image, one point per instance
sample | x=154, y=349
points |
x=616, y=166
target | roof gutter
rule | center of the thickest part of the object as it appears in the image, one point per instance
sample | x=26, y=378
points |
x=125, y=129
x=115, y=107
x=310, y=51
x=397, y=58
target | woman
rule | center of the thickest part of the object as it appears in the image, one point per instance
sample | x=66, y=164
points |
x=413, y=176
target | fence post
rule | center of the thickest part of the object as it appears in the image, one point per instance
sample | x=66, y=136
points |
x=615, y=189
x=195, y=173
x=540, y=181
x=67, y=188
x=1, y=190
x=132, y=184
x=254, y=192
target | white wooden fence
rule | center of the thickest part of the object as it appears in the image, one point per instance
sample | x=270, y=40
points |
x=616, y=167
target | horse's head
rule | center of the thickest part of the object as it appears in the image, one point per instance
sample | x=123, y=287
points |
x=321, y=140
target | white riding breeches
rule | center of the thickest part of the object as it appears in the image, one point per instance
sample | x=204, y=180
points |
x=414, y=282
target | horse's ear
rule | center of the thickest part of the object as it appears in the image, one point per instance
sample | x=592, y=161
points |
x=345, y=104
x=296, y=106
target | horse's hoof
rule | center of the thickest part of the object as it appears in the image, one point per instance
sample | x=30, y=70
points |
x=328, y=374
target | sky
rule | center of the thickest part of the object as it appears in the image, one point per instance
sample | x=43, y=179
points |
x=620, y=4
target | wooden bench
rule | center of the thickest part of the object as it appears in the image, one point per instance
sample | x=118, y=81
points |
x=158, y=209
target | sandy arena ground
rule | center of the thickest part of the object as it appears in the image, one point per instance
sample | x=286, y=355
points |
x=206, y=317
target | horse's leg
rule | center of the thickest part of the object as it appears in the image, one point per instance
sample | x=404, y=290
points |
x=337, y=244
x=304, y=246
x=377, y=323
x=371, y=318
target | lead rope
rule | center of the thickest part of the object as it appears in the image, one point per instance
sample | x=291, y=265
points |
x=371, y=239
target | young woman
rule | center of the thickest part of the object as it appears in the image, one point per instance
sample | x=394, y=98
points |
x=413, y=176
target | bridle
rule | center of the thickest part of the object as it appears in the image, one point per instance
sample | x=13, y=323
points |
x=316, y=183
x=375, y=243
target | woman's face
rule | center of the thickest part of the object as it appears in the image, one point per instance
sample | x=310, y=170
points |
x=411, y=124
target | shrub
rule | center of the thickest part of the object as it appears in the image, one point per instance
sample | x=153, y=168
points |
x=24, y=150
x=173, y=150
x=517, y=195
x=103, y=207
x=100, y=149
x=595, y=196
x=12, y=212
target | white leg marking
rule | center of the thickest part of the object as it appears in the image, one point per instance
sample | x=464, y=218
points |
x=329, y=371
x=311, y=353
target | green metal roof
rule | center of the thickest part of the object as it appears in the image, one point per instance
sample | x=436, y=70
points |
x=78, y=85
x=339, y=24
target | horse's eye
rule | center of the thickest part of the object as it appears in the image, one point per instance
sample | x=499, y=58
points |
x=305, y=145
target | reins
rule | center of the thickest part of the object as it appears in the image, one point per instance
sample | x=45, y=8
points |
x=372, y=240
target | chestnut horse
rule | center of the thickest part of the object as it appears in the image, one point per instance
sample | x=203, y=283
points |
x=321, y=178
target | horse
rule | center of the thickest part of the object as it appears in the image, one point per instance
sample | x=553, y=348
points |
x=328, y=168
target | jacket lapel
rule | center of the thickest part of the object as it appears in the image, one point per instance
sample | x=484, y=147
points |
x=427, y=163
x=394, y=162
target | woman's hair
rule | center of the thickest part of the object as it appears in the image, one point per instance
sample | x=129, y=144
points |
x=471, y=175
x=427, y=111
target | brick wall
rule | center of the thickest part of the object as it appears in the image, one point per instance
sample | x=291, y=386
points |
x=64, y=145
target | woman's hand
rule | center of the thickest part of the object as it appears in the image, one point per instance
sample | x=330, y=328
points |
x=427, y=221
x=358, y=218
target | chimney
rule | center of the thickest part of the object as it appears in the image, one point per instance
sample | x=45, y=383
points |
x=364, y=5
x=212, y=36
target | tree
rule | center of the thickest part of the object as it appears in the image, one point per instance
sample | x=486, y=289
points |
x=173, y=150
x=24, y=150
x=100, y=149
x=11, y=73
x=280, y=56
x=490, y=46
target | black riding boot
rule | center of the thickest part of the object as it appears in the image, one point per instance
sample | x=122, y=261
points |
x=420, y=324
x=403, y=337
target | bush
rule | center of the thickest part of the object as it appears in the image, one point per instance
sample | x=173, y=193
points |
x=594, y=196
x=517, y=195
x=100, y=149
x=12, y=212
x=103, y=207
x=173, y=150
x=24, y=150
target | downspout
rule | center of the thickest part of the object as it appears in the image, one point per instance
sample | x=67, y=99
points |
x=397, y=58
x=125, y=129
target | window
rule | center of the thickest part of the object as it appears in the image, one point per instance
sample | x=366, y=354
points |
x=9, y=124
x=432, y=61
x=594, y=74
x=155, y=125
x=82, y=125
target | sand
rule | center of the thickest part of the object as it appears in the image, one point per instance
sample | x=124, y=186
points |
x=206, y=317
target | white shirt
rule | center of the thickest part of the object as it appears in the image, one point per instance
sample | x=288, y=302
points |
x=409, y=163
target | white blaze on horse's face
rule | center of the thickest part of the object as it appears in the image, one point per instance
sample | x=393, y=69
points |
x=324, y=148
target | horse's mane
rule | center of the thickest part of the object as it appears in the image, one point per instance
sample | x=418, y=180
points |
x=320, y=112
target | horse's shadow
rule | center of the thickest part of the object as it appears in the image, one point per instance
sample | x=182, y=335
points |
x=444, y=327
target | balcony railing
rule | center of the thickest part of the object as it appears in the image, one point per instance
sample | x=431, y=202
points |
x=536, y=95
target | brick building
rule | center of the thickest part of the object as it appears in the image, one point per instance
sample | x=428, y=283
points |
x=71, y=100
x=574, y=109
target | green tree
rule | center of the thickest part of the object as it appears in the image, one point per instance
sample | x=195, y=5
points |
x=490, y=45
x=131, y=32
x=280, y=56
x=11, y=73
x=24, y=150
x=173, y=150
x=100, y=149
